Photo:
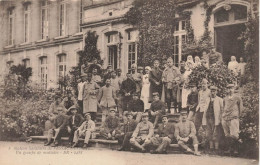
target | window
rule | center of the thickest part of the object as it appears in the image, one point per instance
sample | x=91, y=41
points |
x=112, y=38
x=132, y=55
x=26, y=62
x=62, y=26
x=178, y=40
x=62, y=65
x=112, y=56
x=27, y=17
x=11, y=27
x=44, y=19
x=44, y=71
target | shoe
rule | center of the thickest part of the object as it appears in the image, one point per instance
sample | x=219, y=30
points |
x=54, y=144
x=47, y=143
x=121, y=149
x=85, y=145
x=74, y=145
x=197, y=154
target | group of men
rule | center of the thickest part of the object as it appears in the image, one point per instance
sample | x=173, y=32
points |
x=122, y=95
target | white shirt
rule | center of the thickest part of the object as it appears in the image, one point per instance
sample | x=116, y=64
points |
x=80, y=90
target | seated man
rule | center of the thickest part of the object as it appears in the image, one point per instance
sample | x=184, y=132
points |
x=69, y=100
x=58, y=129
x=157, y=108
x=111, y=126
x=136, y=107
x=75, y=120
x=185, y=132
x=142, y=134
x=128, y=129
x=86, y=129
x=164, y=136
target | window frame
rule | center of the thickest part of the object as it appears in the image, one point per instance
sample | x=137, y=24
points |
x=45, y=22
x=11, y=17
x=62, y=62
x=62, y=18
x=27, y=22
x=44, y=76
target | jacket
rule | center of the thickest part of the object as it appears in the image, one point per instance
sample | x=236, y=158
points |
x=167, y=131
x=107, y=96
x=87, y=126
x=78, y=120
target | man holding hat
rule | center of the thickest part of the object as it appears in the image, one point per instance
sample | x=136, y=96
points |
x=111, y=127
x=58, y=129
x=203, y=97
x=164, y=136
x=142, y=134
x=136, y=107
x=157, y=108
x=75, y=120
x=86, y=129
x=212, y=119
x=233, y=106
x=128, y=129
x=185, y=133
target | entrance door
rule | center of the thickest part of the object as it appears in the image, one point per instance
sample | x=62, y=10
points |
x=112, y=56
x=227, y=42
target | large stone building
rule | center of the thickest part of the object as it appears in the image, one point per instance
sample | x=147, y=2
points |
x=47, y=34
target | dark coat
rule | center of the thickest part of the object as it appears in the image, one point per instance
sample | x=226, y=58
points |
x=168, y=130
x=60, y=121
x=129, y=126
x=155, y=75
x=111, y=124
x=128, y=86
x=136, y=106
x=77, y=121
x=157, y=106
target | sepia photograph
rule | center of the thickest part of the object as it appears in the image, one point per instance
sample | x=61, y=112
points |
x=129, y=82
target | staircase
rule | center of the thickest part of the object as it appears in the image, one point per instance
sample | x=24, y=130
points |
x=98, y=142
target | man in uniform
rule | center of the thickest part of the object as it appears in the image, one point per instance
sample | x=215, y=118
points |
x=136, y=107
x=164, y=136
x=157, y=108
x=185, y=133
x=155, y=77
x=142, y=134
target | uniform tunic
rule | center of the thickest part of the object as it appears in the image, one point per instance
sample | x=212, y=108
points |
x=90, y=97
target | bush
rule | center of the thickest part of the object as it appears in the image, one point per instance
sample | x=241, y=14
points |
x=249, y=121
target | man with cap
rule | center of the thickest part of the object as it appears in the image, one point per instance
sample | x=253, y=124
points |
x=80, y=92
x=95, y=77
x=142, y=134
x=111, y=127
x=155, y=77
x=185, y=133
x=58, y=129
x=108, y=74
x=69, y=100
x=127, y=131
x=233, y=106
x=203, y=96
x=106, y=98
x=157, y=108
x=75, y=120
x=171, y=79
x=119, y=76
x=128, y=87
x=135, y=107
x=212, y=119
x=95, y=65
x=164, y=136
x=86, y=129
x=192, y=101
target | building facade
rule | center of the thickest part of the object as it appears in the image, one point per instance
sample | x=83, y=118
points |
x=47, y=34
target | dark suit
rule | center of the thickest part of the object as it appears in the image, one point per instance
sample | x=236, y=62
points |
x=78, y=120
x=60, y=122
x=128, y=129
x=166, y=135
x=155, y=75
x=111, y=124
x=128, y=86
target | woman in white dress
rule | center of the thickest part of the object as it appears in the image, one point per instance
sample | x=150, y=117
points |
x=145, y=93
x=185, y=90
x=197, y=61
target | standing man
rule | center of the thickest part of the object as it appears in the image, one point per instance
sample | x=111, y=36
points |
x=241, y=65
x=111, y=126
x=192, y=101
x=171, y=78
x=86, y=129
x=214, y=57
x=107, y=96
x=142, y=134
x=90, y=102
x=164, y=136
x=108, y=74
x=185, y=133
x=128, y=129
x=128, y=87
x=58, y=129
x=137, y=77
x=155, y=77
x=75, y=120
x=212, y=119
x=233, y=106
x=203, y=97
x=95, y=77
x=80, y=93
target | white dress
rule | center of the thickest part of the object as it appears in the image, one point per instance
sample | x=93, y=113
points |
x=145, y=93
x=185, y=91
